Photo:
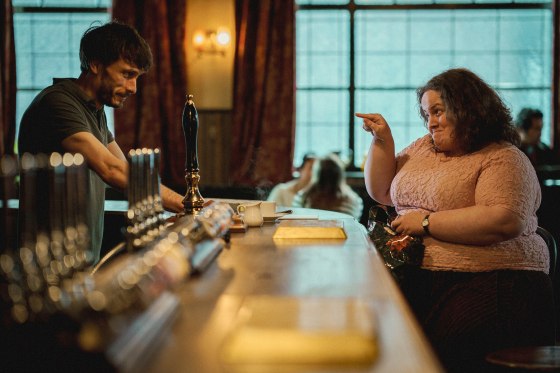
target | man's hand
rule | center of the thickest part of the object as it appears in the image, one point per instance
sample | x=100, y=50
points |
x=171, y=200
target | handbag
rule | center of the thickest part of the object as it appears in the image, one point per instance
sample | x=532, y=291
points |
x=398, y=250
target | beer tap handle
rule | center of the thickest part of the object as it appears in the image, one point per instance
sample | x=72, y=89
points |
x=190, y=130
x=193, y=201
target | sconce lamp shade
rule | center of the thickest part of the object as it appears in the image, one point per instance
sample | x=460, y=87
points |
x=211, y=41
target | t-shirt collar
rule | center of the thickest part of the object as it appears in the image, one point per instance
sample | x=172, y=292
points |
x=71, y=85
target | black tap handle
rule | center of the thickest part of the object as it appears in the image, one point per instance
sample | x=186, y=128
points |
x=190, y=130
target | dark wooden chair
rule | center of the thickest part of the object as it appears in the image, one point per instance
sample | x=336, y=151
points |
x=532, y=358
x=552, y=249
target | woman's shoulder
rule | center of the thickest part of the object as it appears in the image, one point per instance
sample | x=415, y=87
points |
x=506, y=157
x=421, y=144
x=503, y=151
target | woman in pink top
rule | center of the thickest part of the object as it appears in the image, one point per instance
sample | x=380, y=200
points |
x=473, y=196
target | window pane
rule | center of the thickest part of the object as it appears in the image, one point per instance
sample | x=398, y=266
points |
x=321, y=2
x=399, y=109
x=392, y=2
x=380, y=54
x=322, y=49
x=64, y=3
x=47, y=47
x=419, y=44
x=321, y=116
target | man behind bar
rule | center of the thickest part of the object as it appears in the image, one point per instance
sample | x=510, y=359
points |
x=69, y=115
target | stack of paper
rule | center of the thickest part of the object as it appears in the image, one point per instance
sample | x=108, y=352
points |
x=310, y=229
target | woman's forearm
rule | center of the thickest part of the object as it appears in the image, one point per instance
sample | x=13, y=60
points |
x=475, y=225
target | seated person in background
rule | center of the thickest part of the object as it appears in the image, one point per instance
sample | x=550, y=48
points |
x=473, y=196
x=530, y=123
x=283, y=193
x=328, y=189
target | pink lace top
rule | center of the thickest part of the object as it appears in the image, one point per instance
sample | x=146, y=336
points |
x=498, y=175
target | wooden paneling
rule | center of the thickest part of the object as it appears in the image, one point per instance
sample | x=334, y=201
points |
x=214, y=147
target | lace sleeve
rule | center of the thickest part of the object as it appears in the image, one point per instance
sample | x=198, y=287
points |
x=507, y=179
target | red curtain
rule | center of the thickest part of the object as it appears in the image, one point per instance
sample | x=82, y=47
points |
x=263, y=114
x=7, y=81
x=152, y=117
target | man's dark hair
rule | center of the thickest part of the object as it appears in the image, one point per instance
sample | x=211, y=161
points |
x=479, y=114
x=110, y=42
x=525, y=118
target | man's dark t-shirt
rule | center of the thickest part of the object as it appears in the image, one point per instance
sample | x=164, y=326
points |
x=59, y=111
x=540, y=155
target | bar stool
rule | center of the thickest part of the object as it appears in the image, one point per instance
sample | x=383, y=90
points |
x=539, y=358
x=534, y=358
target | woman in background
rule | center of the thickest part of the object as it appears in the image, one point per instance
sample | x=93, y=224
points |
x=473, y=195
x=328, y=189
x=283, y=193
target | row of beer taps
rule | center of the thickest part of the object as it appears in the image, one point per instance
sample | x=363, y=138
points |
x=43, y=268
x=145, y=215
x=47, y=269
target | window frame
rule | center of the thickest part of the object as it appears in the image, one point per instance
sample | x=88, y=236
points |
x=43, y=9
x=352, y=7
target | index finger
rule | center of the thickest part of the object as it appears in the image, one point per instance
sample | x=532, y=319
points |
x=370, y=116
x=365, y=116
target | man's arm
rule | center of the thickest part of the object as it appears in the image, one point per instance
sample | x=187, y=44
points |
x=111, y=165
x=171, y=200
x=112, y=169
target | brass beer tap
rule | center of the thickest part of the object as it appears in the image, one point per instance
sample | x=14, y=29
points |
x=193, y=201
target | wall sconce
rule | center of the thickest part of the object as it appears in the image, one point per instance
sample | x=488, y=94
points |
x=211, y=41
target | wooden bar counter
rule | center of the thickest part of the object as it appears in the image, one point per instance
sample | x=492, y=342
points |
x=255, y=265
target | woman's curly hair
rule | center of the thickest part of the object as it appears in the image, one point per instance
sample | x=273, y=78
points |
x=479, y=114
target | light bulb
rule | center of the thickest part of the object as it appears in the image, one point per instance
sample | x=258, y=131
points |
x=223, y=38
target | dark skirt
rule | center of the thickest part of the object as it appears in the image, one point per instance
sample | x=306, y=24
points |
x=466, y=315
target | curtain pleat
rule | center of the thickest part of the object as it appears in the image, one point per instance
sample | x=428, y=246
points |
x=263, y=127
x=152, y=117
x=8, y=87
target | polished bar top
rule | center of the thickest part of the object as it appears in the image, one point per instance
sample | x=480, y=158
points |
x=255, y=265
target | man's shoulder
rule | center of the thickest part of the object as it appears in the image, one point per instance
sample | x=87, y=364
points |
x=64, y=89
x=59, y=98
x=54, y=114
x=542, y=146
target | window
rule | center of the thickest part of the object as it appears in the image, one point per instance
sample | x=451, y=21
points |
x=47, y=39
x=371, y=55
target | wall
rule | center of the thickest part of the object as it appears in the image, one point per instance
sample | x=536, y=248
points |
x=210, y=77
x=210, y=80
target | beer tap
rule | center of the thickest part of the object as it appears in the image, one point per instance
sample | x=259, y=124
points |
x=76, y=257
x=193, y=201
x=132, y=196
x=158, y=206
x=84, y=255
x=8, y=169
x=57, y=215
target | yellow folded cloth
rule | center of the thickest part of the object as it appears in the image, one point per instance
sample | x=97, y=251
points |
x=287, y=330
